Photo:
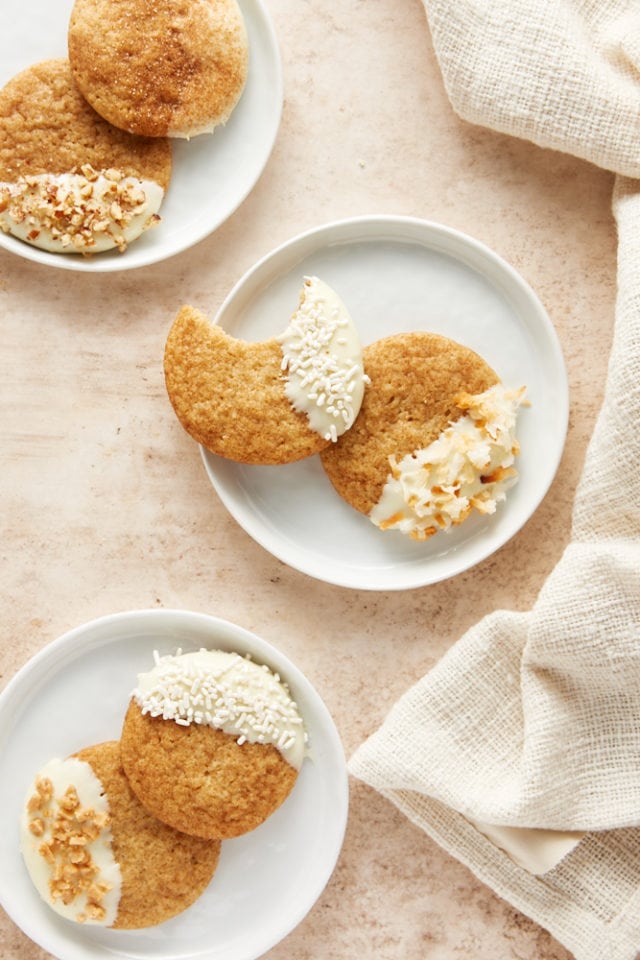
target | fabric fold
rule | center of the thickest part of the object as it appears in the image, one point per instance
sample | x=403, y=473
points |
x=531, y=721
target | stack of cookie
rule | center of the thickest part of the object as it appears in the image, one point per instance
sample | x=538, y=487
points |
x=415, y=431
x=127, y=834
x=85, y=142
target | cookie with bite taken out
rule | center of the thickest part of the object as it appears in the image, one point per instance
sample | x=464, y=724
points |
x=272, y=401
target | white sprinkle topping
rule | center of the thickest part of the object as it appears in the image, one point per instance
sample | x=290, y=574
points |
x=322, y=359
x=227, y=691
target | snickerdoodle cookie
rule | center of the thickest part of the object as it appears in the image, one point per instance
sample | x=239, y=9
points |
x=96, y=856
x=273, y=401
x=212, y=742
x=69, y=181
x=434, y=439
x=173, y=68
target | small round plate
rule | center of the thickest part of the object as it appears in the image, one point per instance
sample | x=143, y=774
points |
x=395, y=275
x=74, y=693
x=212, y=173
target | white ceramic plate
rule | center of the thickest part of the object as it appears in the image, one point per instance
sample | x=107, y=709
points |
x=396, y=274
x=74, y=693
x=212, y=174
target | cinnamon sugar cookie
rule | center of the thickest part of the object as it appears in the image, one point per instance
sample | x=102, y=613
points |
x=97, y=857
x=212, y=743
x=434, y=439
x=171, y=68
x=273, y=401
x=69, y=181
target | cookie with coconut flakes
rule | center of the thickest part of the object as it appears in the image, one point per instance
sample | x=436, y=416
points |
x=434, y=439
x=97, y=857
x=273, y=401
x=212, y=742
x=161, y=69
x=69, y=181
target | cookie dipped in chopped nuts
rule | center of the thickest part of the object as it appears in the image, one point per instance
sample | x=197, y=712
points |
x=69, y=181
x=97, y=857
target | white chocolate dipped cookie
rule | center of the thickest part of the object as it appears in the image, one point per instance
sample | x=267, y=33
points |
x=435, y=440
x=97, y=857
x=273, y=401
x=212, y=742
x=69, y=181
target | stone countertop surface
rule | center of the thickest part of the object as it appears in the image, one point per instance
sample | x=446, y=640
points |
x=106, y=506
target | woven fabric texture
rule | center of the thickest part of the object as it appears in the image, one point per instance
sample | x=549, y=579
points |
x=533, y=719
x=561, y=73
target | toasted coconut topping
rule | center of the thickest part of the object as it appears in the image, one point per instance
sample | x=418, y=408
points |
x=469, y=466
x=81, y=212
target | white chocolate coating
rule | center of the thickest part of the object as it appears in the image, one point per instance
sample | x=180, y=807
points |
x=469, y=466
x=322, y=359
x=93, y=902
x=79, y=212
x=226, y=691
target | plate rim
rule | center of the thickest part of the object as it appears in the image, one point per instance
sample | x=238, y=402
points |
x=509, y=278
x=111, y=261
x=73, y=643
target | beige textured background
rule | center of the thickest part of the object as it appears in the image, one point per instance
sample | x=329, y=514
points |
x=106, y=506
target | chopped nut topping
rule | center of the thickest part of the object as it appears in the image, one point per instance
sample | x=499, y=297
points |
x=45, y=788
x=76, y=210
x=70, y=801
x=72, y=829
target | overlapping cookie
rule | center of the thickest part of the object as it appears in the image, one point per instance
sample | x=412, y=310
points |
x=168, y=68
x=274, y=401
x=96, y=856
x=69, y=181
x=212, y=743
x=127, y=834
x=434, y=439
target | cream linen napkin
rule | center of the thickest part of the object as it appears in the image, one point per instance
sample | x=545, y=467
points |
x=530, y=726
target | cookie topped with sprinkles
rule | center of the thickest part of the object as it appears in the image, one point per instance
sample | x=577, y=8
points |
x=274, y=401
x=322, y=361
x=212, y=742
